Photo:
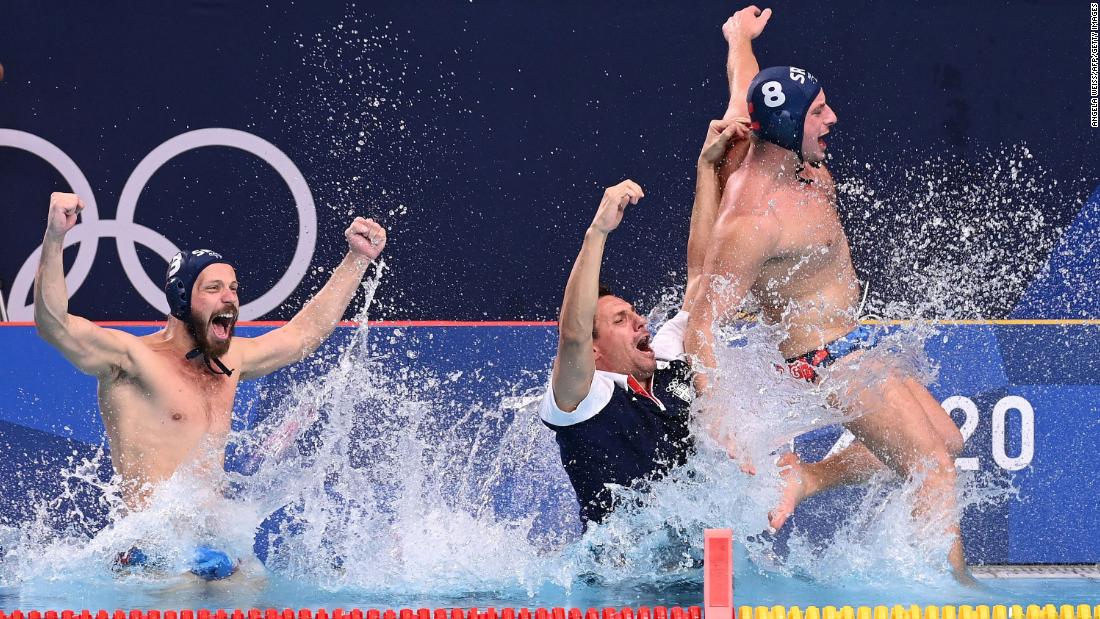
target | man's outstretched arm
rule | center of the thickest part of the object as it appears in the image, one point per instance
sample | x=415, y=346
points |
x=575, y=362
x=315, y=322
x=91, y=348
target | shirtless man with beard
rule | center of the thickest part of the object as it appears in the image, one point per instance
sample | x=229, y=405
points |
x=779, y=239
x=167, y=398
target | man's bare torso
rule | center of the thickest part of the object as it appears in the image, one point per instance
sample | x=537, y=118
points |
x=162, y=411
x=807, y=283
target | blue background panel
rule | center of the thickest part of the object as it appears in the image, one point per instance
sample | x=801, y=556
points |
x=48, y=415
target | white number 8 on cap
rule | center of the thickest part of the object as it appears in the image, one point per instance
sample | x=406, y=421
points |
x=773, y=94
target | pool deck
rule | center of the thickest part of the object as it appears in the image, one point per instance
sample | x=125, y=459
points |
x=1091, y=572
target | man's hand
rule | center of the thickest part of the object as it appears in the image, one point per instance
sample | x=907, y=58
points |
x=311, y=326
x=365, y=238
x=64, y=209
x=747, y=23
x=720, y=135
x=614, y=203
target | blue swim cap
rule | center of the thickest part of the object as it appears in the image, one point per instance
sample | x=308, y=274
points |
x=212, y=564
x=183, y=270
x=779, y=98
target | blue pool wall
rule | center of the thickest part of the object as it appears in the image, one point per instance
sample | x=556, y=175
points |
x=48, y=414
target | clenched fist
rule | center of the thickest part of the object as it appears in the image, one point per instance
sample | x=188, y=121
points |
x=64, y=209
x=365, y=238
x=614, y=202
x=747, y=23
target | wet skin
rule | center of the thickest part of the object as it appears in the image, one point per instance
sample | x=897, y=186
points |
x=161, y=409
x=778, y=236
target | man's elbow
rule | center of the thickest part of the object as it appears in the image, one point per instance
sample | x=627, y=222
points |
x=45, y=333
x=306, y=343
x=574, y=333
x=49, y=327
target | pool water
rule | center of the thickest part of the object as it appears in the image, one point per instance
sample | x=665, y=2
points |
x=752, y=588
x=394, y=487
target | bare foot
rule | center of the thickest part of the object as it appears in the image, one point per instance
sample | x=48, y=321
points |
x=966, y=579
x=794, y=490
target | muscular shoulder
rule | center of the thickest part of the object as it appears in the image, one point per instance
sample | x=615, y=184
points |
x=759, y=199
x=744, y=225
x=741, y=240
x=130, y=349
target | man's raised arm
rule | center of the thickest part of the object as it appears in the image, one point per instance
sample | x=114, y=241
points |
x=727, y=140
x=721, y=134
x=741, y=66
x=315, y=322
x=91, y=348
x=575, y=363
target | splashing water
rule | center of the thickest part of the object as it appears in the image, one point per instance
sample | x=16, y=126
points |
x=398, y=459
x=385, y=480
x=953, y=237
x=384, y=476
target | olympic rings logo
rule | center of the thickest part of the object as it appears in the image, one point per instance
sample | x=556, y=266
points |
x=126, y=233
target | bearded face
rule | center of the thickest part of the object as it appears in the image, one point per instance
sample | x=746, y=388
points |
x=213, y=331
x=214, y=309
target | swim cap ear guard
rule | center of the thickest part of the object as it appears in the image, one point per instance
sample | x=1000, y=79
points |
x=779, y=98
x=183, y=271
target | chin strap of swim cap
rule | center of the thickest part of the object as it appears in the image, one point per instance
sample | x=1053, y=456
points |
x=778, y=99
x=183, y=271
x=207, y=359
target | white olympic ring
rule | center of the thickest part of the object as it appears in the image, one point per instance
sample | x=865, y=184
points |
x=126, y=233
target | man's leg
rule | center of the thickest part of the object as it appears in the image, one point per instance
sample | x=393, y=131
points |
x=896, y=427
x=855, y=464
x=938, y=417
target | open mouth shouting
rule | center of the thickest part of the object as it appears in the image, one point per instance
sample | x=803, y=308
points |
x=222, y=323
x=642, y=344
x=821, y=141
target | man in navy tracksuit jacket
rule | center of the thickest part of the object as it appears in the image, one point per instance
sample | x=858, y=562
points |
x=618, y=399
